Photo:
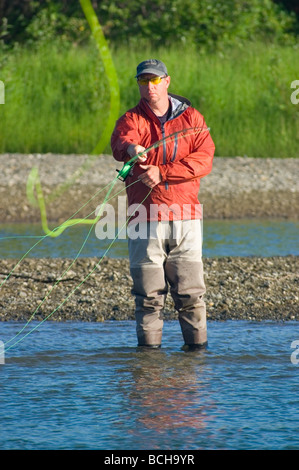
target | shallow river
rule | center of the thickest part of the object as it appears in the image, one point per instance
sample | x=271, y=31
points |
x=242, y=237
x=86, y=386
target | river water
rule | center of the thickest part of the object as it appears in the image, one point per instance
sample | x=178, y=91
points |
x=87, y=386
x=242, y=237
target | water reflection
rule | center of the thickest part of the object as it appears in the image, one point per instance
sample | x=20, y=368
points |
x=168, y=392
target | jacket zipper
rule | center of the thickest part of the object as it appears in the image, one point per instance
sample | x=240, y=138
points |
x=175, y=148
x=164, y=149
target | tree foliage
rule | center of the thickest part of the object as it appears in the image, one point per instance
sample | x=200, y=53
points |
x=206, y=23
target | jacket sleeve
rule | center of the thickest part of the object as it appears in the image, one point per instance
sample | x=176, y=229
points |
x=124, y=134
x=197, y=163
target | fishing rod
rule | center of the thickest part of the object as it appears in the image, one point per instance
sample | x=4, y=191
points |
x=121, y=174
x=127, y=167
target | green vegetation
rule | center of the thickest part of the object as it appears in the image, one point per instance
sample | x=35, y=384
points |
x=57, y=99
x=206, y=23
x=234, y=60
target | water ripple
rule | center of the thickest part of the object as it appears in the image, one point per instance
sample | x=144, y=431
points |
x=68, y=388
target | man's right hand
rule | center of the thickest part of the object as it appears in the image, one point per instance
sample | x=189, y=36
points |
x=133, y=150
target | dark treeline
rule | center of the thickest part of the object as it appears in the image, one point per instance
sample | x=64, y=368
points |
x=163, y=22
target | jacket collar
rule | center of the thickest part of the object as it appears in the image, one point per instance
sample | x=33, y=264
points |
x=178, y=105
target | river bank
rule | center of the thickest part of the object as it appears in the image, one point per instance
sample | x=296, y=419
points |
x=237, y=187
x=237, y=288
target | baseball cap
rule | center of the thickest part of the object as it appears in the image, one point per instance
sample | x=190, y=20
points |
x=154, y=66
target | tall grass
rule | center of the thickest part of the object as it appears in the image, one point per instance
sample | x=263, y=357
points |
x=57, y=99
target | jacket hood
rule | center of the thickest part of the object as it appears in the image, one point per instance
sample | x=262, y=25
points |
x=179, y=105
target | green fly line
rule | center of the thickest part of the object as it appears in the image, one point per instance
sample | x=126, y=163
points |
x=75, y=288
x=65, y=225
x=112, y=116
x=33, y=181
x=71, y=222
x=68, y=223
x=122, y=175
x=74, y=260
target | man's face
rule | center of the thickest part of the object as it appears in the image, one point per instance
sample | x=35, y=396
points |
x=152, y=92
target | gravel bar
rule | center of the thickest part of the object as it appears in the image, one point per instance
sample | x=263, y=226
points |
x=237, y=187
x=237, y=288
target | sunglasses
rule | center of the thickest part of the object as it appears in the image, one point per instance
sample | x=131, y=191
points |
x=153, y=80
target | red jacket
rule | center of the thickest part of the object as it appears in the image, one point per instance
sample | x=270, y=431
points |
x=182, y=160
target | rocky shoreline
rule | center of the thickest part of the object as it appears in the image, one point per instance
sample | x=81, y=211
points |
x=237, y=288
x=237, y=187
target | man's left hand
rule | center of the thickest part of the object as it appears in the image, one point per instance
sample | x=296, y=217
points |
x=151, y=177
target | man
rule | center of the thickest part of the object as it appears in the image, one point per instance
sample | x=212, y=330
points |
x=163, y=189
